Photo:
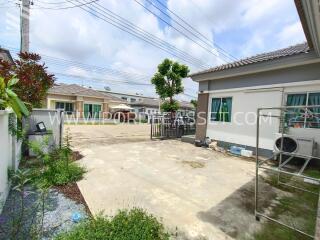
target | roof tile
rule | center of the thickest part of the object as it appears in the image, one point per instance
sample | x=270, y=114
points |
x=285, y=52
x=76, y=90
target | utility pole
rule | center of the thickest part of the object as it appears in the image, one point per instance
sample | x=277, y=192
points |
x=24, y=25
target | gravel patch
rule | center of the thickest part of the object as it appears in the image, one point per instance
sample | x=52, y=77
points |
x=58, y=213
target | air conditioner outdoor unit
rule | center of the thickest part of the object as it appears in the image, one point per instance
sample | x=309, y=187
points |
x=295, y=144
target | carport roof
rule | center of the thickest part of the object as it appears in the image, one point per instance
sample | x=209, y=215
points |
x=76, y=90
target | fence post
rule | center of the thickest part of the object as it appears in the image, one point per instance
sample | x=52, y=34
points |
x=151, y=121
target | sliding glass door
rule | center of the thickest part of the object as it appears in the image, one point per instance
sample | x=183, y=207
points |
x=92, y=110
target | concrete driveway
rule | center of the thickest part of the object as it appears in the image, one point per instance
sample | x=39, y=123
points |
x=87, y=135
x=202, y=193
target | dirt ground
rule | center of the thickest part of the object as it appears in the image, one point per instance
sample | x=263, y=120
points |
x=200, y=194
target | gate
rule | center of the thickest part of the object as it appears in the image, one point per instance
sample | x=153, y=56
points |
x=165, y=127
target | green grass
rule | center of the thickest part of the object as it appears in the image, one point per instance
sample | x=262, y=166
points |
x=135, y=224
x=296, y=208
x=315, y=173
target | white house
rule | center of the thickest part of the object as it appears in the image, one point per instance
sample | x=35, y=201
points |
x=230, y=94
x=144, y=106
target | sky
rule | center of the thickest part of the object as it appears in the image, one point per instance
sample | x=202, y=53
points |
x=241, y=28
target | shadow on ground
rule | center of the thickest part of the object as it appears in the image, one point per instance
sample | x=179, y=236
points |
x=235, y=214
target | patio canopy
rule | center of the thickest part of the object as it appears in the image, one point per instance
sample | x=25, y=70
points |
x=122, y=106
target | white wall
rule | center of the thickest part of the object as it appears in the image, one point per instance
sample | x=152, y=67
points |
x=5, y=155
x=249, y=100
x=10, y=154
x=242, y=128
x=51, y=119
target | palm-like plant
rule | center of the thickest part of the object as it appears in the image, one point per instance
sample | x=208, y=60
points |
x=8, y=99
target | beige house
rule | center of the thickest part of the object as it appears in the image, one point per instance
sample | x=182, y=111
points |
x=80, y=101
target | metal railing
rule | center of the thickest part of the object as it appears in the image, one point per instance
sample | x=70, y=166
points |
x=279, y=169
x=164, y=127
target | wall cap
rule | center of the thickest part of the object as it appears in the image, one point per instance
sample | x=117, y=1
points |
x=5, y=112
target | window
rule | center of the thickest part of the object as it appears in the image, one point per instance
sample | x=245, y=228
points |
x=59, y=105
x=124, y=98
x=133, y=100
x=66, y=106
x=302, y=117
x=221, y=109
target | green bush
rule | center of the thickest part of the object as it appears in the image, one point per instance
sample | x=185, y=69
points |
x=135, y=224
x=55, y=168
x=61, y=173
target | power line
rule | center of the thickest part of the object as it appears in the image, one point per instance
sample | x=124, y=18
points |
x=55, y=3
x=185, y=22
x=132, y=29
x=135, y=78
x=111, y=82
x=199, y=62
x=101, y=79
x=125, y=25
x=169, y=24
x=101, y=71
x=62, y=8
x=188, y=95
x=92, y=68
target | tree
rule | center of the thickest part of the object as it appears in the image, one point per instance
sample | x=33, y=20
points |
x=168, y=82
x=34, y=80
x=194, y=103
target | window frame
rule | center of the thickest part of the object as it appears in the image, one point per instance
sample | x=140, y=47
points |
x=306, y=106
x=221, y=99
x=59, y=103
x=65, y=106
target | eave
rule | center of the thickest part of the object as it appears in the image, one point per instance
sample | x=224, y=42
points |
x=285, y=62
x=311, y=10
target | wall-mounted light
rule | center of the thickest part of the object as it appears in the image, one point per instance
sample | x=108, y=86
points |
x=41, y=127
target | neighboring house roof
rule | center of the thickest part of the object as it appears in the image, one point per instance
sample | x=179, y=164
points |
x=5, y=55
x=153, y=102
x=148, y=102
x=269, y=56
x=76, y=90
x=127, y=94
x=184, y=104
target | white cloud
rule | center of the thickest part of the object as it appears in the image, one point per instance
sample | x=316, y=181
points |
x=77, y=71
x=247, y=27
x=291, y=33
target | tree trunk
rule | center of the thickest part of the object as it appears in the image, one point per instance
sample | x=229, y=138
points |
x=172, y=112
